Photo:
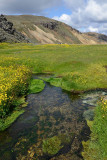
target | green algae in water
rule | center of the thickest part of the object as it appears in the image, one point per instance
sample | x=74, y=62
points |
x=65, y=139
x=51, y=146
x=36, y=86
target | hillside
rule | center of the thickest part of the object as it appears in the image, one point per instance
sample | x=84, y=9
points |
x=44, y=30
x=38, y=29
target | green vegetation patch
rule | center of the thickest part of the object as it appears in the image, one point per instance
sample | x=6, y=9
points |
x=9, y=119
x=51, y=146
x=54, y=81
x=20, y=103
x=96, y=147
x=5, y=123
x=59, y=82
x=95, y=76
x=36, y=86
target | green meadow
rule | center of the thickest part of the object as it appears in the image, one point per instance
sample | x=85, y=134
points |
x=76, y=68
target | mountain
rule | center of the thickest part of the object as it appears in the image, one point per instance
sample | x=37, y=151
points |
x=44, y=30
x=8, y=33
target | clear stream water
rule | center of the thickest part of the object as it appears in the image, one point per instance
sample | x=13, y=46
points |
x=52, y=112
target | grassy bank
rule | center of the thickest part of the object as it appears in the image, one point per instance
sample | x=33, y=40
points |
x=96, y=147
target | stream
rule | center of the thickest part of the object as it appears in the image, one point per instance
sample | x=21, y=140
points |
x=52, y=112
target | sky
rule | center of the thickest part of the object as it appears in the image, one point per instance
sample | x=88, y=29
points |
x=84, y=15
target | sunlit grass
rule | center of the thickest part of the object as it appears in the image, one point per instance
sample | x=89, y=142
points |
x=80, y=66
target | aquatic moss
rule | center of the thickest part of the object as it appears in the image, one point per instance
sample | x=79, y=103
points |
x=36, y=86
x=51, y=146
x=65, y=139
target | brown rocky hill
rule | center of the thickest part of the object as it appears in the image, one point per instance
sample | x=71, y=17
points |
x=8, y=33
x=47, y=31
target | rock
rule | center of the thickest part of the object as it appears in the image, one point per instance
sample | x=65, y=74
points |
x=105, y=98
x=50, y=25
x=102, y=37
x=8, y=33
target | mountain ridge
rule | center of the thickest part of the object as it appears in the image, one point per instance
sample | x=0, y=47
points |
x=43, y=30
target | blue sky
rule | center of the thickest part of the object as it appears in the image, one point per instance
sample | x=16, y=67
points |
x=84, y=15
x=58, y=11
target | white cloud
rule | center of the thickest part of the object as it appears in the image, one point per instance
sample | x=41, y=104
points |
x=64, y=18
x=92, y=29
x=87, y=15
x=96, y=11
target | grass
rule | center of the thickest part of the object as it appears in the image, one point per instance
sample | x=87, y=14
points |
x=5, y=123
x=58, y=59
x=96, y=147
x=19, y=104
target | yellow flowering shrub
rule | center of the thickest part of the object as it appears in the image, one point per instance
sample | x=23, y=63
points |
x=13, y=83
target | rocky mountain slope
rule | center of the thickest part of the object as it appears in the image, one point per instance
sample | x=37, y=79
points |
x=8, y=33
x=47, y=31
